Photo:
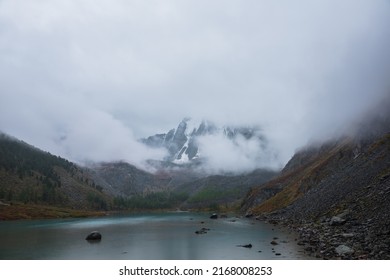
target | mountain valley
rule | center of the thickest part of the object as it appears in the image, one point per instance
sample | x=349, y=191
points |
x=335, y=194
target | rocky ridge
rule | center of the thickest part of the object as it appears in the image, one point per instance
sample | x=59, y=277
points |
x=182, y=145
x=335, y=195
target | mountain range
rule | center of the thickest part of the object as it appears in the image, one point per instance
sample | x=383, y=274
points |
x=31, y=176
x=182, y=143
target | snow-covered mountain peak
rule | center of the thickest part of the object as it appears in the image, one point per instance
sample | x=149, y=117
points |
x=184, y=144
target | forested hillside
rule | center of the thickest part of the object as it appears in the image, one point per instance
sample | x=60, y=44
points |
x=31, y=176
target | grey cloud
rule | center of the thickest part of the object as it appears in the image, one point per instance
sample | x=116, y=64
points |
x=236, y=155
x=101, y=74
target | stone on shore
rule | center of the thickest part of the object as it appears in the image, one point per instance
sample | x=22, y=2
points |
x=343, y=250
x=337, y=221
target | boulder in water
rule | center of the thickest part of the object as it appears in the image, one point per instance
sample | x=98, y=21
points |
x=93, y=236
x=246, y=246
x=214, y=216
x=202, y=231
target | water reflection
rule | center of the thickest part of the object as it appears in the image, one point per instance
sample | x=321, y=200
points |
x=157, y=236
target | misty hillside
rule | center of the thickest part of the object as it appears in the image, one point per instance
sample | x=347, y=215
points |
x=336, y=194
x=32, y=176
x=222, y=190
x=124, y=179
x=181, y=187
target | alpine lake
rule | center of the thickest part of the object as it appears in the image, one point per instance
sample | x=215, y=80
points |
x=159, y=236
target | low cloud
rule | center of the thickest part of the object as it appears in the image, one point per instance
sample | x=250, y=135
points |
x=100, y=137
x=72, y=129
x=86, y=79
x=236, y=155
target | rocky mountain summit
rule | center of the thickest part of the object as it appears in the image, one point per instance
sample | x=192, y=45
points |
x=183, y=145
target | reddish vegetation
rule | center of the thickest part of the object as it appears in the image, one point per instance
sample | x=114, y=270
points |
x=17, y=211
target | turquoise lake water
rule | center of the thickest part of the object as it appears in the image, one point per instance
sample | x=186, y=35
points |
x=162, y=236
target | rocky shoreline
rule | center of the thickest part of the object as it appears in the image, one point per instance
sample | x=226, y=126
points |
x=338, y=237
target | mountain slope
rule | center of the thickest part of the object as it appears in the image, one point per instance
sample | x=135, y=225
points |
x=337, y=194
x=124, y=179
x=222, y=190
x=180, y=188
x=29, y=175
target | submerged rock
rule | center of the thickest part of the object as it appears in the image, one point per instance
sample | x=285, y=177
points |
x=94, y=235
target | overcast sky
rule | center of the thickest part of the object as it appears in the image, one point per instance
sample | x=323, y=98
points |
x=85, y=79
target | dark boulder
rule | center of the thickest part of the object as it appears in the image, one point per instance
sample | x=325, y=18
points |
x=214, y=216
x=93, y=236
x=246, y=246
x=202, y=231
